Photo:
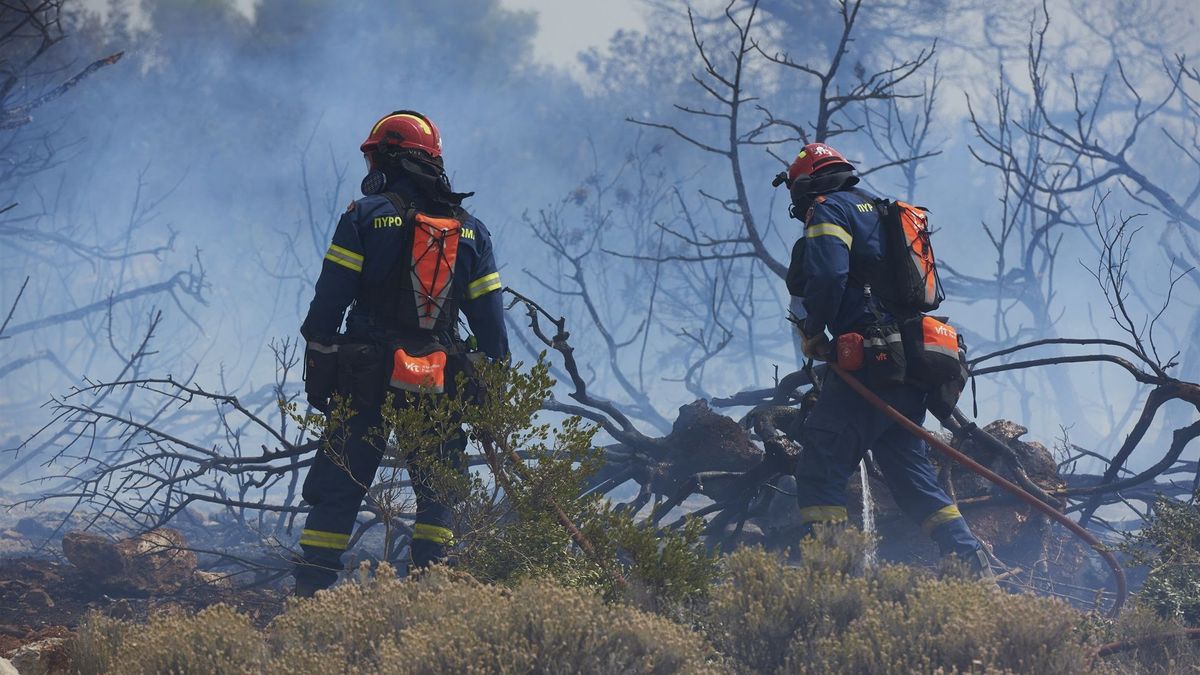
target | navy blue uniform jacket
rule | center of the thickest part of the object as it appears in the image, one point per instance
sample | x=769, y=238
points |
x=366, y=244
x=842, y=226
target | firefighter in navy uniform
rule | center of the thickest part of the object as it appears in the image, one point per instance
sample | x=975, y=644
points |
x=842, y=234
x=406, y=259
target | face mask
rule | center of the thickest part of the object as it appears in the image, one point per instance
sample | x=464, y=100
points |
x=375, y=180
x=802, y=197
x=373, y=183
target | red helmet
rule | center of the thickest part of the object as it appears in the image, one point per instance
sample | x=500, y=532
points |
x=813, y=157
x=404, y=129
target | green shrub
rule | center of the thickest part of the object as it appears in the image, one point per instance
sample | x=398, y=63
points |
x=1154, y=649
x=508, y=520
x=1170, y=546
x=664, y=570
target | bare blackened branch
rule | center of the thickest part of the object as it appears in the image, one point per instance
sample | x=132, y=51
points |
x=23, y=114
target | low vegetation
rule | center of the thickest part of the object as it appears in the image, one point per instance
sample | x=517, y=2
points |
x=1169, y=547
x=826, y=614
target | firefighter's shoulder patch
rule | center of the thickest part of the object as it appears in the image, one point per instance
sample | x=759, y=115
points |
x=353, y=205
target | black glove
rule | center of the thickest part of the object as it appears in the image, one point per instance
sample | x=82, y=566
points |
x=817, y=348
x=320, y=374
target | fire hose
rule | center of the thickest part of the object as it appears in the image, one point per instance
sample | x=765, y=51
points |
x=1013, y=489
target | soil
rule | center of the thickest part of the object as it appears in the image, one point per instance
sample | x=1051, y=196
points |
x=43, y=598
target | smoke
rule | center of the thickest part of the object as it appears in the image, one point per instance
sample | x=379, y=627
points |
x=232, y=137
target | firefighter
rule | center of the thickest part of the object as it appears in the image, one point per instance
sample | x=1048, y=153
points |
x=405, y=259
x=830, y=297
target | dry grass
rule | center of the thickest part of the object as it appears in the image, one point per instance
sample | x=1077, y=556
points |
x=440, y=622
x=827, y=615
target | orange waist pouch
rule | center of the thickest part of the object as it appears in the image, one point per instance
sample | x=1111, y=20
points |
x=424, y=374
x=935, y=353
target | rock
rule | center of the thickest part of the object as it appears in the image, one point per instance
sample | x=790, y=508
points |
x=41, y=657
x=94, y=555
x=212, y=579
x=703, y=440
x=34, y=528
x=751, y=535
x=37, y=599
x=121, y=609
x=152, y=563
x=7, y=668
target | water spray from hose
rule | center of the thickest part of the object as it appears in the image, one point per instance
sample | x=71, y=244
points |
x=868, y=513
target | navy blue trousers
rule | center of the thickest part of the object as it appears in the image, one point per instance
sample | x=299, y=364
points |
x=338, y=480
x=841, y=428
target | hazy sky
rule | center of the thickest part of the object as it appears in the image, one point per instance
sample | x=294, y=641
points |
x=566, y=27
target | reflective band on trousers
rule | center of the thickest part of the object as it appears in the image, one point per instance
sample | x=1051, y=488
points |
x=822, y=514
x=942, y=515
x=321, y=539
x=438, y=535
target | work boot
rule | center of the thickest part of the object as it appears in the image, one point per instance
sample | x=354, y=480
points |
x=980, y=567
x=311, y=577
x=306, y=589
x=824, y=529
x=426, y=553
x=968, y=565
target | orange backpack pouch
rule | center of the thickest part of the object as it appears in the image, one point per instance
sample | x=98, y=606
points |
x=421, y=374
x=435, y=249
x=915, y=223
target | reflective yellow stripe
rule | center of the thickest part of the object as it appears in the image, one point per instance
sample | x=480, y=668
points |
x=344, y=257
x=321, y=539
x=424, y=125
x=942, y=515
x=349, y=265
x=822, y=514
x=438, y=535
x=829, y=230
x=483, y=285
x=346, y=253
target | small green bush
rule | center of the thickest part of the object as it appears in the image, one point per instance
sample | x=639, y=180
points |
x=1155, y=651
x=1170, y=546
